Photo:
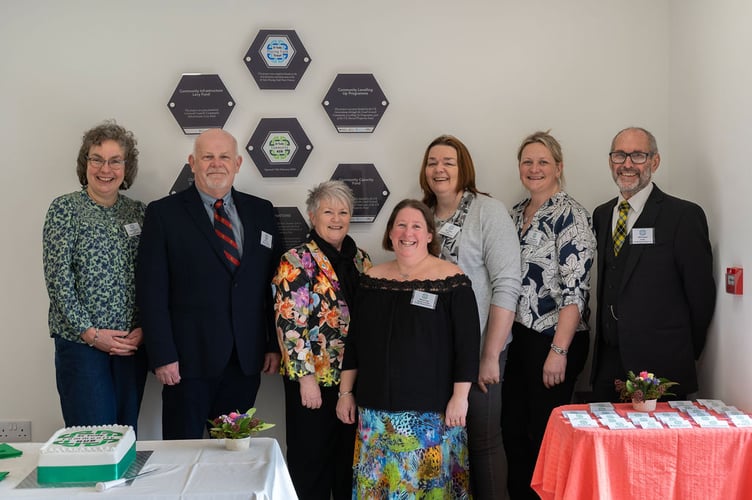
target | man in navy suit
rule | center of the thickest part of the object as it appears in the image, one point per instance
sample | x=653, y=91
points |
x=204, y=293
x=656, y=293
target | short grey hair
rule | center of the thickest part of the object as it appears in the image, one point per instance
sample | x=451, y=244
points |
x=330, y=190
x=652, y=143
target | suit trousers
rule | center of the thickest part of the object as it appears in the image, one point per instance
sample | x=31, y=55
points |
x=320, y=448
x=527, y=403
x=187, y=406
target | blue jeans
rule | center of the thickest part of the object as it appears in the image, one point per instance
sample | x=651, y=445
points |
x=96, y=388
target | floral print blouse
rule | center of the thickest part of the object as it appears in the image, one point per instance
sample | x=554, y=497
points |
x=311, y=316
x=89, y=256
x=557, y=254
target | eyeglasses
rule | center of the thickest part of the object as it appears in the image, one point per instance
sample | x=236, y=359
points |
x=637, y=157
x=114, y=163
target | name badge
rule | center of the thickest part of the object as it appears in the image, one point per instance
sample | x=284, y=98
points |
x=266, y=239
x=133, y=229
x=533, y=237
x=642, y=236
x=449, y=230
x=424, y=299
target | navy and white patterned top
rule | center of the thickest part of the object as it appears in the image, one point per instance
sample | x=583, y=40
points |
x=89, y=254
x=557, y=253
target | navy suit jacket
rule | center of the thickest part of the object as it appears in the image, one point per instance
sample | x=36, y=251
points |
x=193, y=308
x=666, y=297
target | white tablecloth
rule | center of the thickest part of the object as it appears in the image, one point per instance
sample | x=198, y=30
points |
x=192, y=469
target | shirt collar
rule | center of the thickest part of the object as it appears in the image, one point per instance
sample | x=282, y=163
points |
x=208, y=200
x=637, y=201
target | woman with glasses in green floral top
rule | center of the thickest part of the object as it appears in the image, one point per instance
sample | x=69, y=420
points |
x=90, y=239
x=314, y=286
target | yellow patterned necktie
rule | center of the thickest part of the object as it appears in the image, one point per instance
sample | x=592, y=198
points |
x=620, y=232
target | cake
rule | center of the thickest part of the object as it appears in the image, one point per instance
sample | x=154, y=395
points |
x=87, y=454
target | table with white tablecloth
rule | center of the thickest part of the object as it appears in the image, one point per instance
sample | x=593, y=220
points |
x=200, y=469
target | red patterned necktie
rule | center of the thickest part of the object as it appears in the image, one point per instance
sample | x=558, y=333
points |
x=223, y=229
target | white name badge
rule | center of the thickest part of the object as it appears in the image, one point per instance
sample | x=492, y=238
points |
x=133, y=229
x=642, y=236
x=449, y=230
x=533, y=237
x=424, y=299
x=266, y=239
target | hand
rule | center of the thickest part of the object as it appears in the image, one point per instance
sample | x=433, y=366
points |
x=456, y=411
x=310, y=392
x=271, y=363
x=346, y=409
x=554, y=369
x=168, y=374
x=488, y=373
x=116, y=343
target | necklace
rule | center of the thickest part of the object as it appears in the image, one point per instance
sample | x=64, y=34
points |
x=406, y=275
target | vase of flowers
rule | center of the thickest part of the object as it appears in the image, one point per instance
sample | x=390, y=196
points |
x=643, y=390
x=236, y=428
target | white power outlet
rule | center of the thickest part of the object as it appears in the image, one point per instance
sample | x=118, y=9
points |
x=15, y=431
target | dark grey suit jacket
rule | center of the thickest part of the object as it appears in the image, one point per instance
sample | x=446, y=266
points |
x=193, y=307
x=666, y=297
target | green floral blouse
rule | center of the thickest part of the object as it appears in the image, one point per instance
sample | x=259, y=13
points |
x=311, y=317
x=89, y=256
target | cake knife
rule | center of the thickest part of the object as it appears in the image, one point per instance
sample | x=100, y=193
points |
x=105, y=485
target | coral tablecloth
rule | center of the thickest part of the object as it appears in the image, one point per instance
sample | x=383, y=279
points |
x=599, y=463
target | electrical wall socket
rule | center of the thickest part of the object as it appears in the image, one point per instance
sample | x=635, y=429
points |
x=14, y=431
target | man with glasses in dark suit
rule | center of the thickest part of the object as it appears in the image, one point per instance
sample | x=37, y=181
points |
x=656, y=293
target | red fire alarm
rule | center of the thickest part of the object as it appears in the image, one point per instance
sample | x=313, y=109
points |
x=734, y=280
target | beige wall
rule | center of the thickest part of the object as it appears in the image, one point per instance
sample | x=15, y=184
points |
x=487, y=71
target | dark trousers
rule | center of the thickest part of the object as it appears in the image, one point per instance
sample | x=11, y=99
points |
x=96, y=388
x=187, y=406
x=487, y=460
x=527, y=404
x=320, y=447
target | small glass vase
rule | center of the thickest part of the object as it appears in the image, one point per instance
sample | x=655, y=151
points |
x=238, y=444
x=647, y=405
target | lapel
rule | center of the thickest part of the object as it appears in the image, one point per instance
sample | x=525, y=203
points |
x=647, y=219
x=604, y=235
x=195, y=208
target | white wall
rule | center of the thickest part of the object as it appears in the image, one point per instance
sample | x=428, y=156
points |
x=709, y=117
x=488, y=71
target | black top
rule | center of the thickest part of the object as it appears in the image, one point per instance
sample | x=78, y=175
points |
x=408, y=356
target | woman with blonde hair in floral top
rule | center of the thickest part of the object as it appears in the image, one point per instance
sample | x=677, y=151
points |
x=313, y=286
x=551, y=336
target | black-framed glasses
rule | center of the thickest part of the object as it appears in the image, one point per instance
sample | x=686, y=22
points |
x=114, y=163
x=637, y=157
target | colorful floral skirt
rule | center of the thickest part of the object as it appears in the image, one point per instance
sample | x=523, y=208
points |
x=409, y=454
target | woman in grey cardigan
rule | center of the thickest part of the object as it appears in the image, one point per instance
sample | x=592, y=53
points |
x=477, y=234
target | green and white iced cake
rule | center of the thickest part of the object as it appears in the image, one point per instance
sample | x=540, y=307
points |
x=87, y=454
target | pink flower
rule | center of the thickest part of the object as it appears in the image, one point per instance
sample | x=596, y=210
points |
x=644, y=375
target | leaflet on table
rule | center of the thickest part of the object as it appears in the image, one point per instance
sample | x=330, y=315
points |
x=579, y=418
x=681, y=405
x=741, y=420
x=673, y=420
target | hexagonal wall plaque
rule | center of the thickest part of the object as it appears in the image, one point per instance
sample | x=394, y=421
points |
x=279, y=147
x=355, y=103
x=200, y=102
x=277, y=59
x=367, y=186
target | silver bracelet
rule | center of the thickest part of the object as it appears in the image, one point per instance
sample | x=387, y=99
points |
x=344, y=393
x=558, y=350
